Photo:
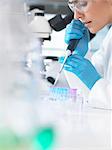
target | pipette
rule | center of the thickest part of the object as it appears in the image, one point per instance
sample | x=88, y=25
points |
x=70, y=49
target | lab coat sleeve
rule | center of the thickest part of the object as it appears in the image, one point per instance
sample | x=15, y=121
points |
x=100, y=95
x=98, y=61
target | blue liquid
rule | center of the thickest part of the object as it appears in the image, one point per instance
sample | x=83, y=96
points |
x=61, y=93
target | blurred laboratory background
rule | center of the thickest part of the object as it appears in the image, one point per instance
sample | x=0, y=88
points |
x=35, y=115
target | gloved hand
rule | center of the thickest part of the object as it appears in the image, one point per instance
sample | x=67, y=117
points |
x=82, y=68
x=77, y=30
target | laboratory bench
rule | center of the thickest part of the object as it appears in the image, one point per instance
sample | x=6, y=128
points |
x=78, y=126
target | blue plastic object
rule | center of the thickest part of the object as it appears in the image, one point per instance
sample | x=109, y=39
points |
x=83, y=69
x=44, y=139
x=77, y=30
x=62, y=94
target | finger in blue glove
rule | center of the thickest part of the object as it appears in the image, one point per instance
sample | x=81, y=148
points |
x=61, y=59
x=77, y=30
x=83, y=69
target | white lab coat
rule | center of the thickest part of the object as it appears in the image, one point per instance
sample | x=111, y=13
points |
x=100, y=95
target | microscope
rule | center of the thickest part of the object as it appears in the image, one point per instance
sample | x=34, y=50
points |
x=42, y=29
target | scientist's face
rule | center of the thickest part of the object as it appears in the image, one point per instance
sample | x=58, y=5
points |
x=95, y=14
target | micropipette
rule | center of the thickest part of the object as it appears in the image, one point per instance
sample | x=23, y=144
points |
x=70, y=49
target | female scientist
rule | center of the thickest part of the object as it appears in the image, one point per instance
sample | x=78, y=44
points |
x=97, y=74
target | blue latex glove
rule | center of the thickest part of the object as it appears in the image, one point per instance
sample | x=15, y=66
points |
x=82, y=68
x=77, y=30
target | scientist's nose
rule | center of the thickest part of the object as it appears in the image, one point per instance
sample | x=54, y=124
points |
x=78, y=15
